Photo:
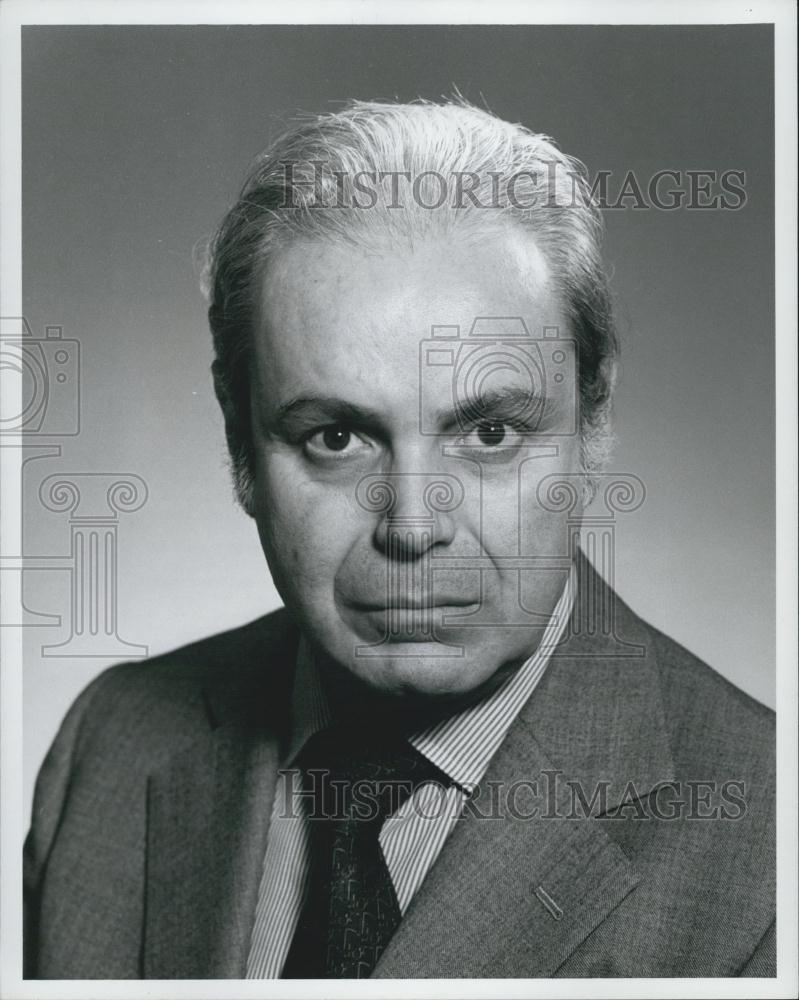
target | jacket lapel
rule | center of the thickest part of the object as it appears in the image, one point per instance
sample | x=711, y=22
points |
x=514, y=893
x=208, y=814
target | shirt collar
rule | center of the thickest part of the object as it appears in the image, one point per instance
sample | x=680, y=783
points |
x=463, y=744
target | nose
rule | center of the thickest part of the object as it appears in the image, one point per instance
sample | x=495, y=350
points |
x=414, y=511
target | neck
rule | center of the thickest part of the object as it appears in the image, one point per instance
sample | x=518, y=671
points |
x=354, y=702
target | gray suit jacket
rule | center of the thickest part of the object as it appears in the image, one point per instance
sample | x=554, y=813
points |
x=151, y=816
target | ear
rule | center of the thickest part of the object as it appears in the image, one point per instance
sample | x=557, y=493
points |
x=236, y=432
x=611, y=372
x=223, y=393
x=230, y=412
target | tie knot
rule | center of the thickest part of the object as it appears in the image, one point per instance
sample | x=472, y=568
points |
x=362, y=776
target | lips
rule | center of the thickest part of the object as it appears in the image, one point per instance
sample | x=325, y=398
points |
x=410, y=620
x=415, y=604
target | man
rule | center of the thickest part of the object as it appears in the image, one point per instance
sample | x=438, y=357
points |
x=456, y=752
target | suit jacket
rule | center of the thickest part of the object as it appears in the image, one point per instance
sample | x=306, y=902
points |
x=152, y=808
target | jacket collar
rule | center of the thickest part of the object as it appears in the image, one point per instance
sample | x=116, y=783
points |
x=598, y=712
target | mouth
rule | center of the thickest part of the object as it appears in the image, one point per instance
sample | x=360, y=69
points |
x=412, y=599
x=409, y=619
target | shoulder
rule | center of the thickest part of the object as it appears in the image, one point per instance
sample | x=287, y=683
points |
x=706, y=847
x=134, y=716
x=711, y=721
x=85, y=849
x=723, y=748
x=166, y=697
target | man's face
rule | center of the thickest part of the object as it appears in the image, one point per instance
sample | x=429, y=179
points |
x=397, y=477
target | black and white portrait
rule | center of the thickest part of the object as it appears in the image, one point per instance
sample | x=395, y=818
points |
x=391, y=436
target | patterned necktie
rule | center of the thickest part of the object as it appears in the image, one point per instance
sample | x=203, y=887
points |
x=353, y=783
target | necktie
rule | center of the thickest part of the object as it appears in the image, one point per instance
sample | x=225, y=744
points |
x=353, y=783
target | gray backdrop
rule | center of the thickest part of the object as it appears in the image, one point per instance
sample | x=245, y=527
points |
x=134, y=142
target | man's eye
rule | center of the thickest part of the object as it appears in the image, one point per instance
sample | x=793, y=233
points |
x=334, y=441
x=491, y=432
x=488, y=435
x=336, y=438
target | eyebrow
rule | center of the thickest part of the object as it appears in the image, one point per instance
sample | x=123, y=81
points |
x=495, y=402
x=492, y=402
x=329, y=407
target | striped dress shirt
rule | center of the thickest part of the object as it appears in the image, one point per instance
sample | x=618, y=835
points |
x=411, y=839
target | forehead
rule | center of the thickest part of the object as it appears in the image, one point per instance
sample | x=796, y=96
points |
x=336, y=317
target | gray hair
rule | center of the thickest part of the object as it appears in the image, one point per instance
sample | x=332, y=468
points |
x=310, y=184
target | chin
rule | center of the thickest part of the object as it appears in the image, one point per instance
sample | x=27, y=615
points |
x=410, y=671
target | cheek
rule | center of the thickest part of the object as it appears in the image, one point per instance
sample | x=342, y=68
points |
x=303, y=530
x=530, y=509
